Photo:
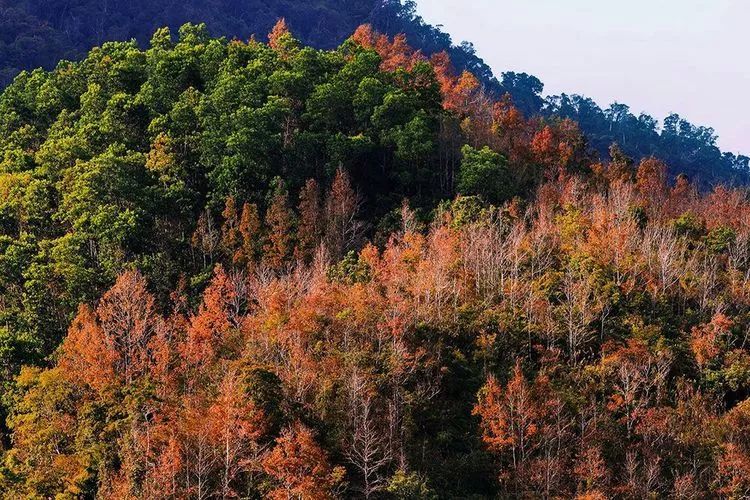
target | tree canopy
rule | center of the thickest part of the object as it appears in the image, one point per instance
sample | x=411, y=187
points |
x=41, y=33
x=263, y=270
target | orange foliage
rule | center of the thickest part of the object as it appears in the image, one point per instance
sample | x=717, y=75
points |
x=279, y=223
x=300, y=467
x=86, y=356
x=279, y=30
x=218, y=313
x=734, y=461
x=651, y=180
x=112, y=344
x=394, y=53
x=705, y=341
x=509, y=415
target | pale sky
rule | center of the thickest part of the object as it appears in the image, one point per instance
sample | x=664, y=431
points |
x=658, y=56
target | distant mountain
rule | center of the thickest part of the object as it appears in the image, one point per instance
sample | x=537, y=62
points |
x=39, y=33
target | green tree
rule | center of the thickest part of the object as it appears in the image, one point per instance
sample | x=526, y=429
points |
x=484, y=172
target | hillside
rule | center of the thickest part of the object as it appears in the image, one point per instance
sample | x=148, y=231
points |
x=239, y=269
x=36, y=33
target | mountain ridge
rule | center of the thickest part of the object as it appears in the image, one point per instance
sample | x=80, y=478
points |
x=40, y=33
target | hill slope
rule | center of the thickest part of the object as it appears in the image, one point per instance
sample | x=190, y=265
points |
x=237, y=269
x=37, y=33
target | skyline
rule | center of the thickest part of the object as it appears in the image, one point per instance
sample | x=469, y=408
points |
x=683, y=57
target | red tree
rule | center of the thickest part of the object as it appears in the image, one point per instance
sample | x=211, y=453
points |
x=300, y=467
x=279, y=222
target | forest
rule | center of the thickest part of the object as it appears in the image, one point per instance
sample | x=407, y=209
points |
x=249, y=269
x=40, y=33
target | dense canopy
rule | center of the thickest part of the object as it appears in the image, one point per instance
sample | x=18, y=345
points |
x=36, y=33
x=238, y=269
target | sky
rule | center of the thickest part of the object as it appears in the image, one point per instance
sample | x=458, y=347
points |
x=691, y=57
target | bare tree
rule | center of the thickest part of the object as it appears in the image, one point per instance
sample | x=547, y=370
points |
x=665, y=254
x=368, y=451
x=343, y=229
x=579, y=309
x=206, y=237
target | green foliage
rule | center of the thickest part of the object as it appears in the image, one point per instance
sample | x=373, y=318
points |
x=719, y=239
x=45, y=419
x=639, y=215
x=484, y=172
x=409, y=486
x=350, y=270
x=690, y=226
x=465, y=210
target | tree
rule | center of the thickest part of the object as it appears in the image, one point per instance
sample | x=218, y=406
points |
x=638, y=380
x=111, y=345
x=591, y=471
x=623, y=303
x=343, y=230
x=579, y=309
x=510, y=423
x=206, y=237
x=45, y=455
x=706, y=341
x=103, y=200
x=86, y=353
x=299, y=467
x=280, y=38
x=279, y=221
x=220, y=312
x=231, y=235
x=484, y=172
x=251, y=235
x=309, y=232
x=651, y=179
x=201, y=455
x=734, y=461
x=127, y=316
x=367, y=451
x=236, y=426
x=409, y=487
x=525, y=90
